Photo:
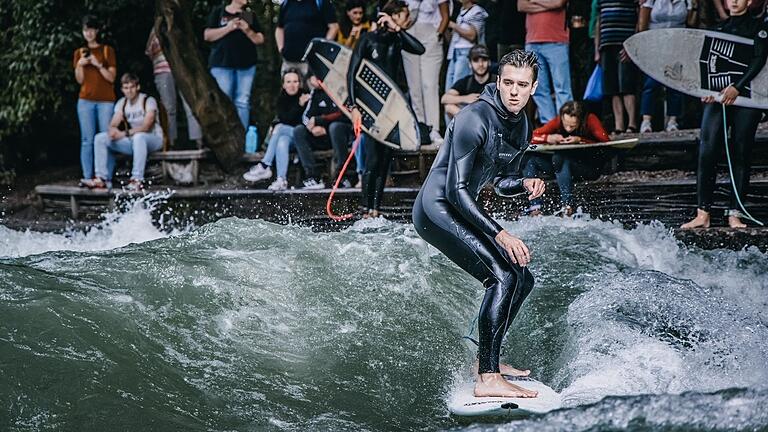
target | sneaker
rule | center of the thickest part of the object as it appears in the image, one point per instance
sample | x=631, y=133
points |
x=280, y=184
x=672, y=126
x=345, y=184
x=258, y=172
x=435, y=137
x=645, y=126
x=313, y=184
x=94, y=183
x=135, y=185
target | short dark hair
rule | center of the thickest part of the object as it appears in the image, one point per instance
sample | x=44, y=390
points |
x=129, y=78
x=90, y=21
x=521, y=59
x=354, y=4
x=394, y=6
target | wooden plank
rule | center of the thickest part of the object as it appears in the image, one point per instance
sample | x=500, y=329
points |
x=183, y=155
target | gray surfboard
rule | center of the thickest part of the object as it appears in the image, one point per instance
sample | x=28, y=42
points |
x=698, y=62
x=387, y=116
x=618, y=144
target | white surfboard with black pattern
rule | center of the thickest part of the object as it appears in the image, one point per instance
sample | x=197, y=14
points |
x=463, y=401
x=387, y=116
x=699, y=62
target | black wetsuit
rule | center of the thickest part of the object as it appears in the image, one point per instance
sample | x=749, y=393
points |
x=743, y=121
x=484, y=143
x=382, y=48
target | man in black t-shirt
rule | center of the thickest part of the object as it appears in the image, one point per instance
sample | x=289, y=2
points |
x=298, y=23
x=468, y=89
x=234, y=32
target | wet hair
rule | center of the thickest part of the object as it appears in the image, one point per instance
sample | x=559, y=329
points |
x=90, y=21
x=574, y=109
x=129, y=78
x=394, y=6
x=521, y=59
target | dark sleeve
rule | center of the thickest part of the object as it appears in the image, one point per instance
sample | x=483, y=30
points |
x=410, y=44
x=329, y=13
x=214, y=18
x=461, y=85
x=759, y=56
x=325, y=119
x=469, y=134
x=281, y=14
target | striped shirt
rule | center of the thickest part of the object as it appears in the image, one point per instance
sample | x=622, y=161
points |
x=618, y=19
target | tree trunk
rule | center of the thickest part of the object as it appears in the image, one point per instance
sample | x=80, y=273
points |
x=222, y=130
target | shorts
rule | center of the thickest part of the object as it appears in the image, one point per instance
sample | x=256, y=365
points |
x=618, y=78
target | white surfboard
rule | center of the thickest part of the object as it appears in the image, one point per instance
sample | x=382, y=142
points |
x=619, y=144
x=698, y=62
x=387, y=116
x=464, y=403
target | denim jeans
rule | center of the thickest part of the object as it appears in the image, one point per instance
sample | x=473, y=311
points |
x=93, y=117
x=279, y=147
x=236, y=83
x=139, y=145
x=674, y=98
x=554, y=66
x=458, y=67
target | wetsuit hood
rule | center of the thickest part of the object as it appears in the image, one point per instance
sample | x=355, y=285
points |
x=492, y=96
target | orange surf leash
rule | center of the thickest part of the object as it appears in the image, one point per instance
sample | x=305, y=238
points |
x=357, y=128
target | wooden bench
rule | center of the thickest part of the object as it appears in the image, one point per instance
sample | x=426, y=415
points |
x=181, y=156
x=324, y=157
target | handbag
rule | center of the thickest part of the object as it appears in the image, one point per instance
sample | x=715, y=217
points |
x=594, y=91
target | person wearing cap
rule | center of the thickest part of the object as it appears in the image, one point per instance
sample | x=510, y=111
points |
x=468, y=89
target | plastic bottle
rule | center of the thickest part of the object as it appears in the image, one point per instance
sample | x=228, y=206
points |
x=251, y=140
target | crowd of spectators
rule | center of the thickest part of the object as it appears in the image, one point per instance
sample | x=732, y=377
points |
x=452, y=51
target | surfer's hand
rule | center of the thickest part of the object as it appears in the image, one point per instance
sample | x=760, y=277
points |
x=554, y=138
x=708, y=99
x=357, y=118
x=516, y=249
x=387, y=21
x=535, y=186
x=729, y=95
x=624, y=57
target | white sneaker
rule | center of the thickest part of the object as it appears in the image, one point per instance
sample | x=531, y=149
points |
x=646, y=127
x=435, y=137
x=258, y=172
x=313, y=184
x=672, y=126
x=280, y=184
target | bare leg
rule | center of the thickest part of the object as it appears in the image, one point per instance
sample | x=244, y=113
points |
x=700, y=221
x=505, y=370
x=618, y=113
x=630, y=104
x=494, y=385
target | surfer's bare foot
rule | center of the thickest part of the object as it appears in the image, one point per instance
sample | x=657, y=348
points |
x=735, y=222
x=506, y=370
x=700, y=221
x=494, y=385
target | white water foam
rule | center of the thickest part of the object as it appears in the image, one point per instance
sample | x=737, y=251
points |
x=117, y=230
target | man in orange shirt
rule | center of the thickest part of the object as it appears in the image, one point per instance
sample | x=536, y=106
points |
x=547, y=35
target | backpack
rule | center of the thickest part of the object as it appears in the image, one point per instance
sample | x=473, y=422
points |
x=162, y=114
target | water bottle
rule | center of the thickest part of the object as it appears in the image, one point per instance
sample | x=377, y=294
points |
x=251, y=140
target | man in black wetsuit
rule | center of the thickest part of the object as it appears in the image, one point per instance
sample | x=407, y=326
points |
x=743, y=121
x=484, y=143
x=383, y=48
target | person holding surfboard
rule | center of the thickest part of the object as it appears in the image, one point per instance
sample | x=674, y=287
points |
x=743, y=121
x=383, y=48
x=485, y=142
x=573, y=126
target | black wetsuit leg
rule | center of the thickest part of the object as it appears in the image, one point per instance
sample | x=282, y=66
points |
x=377, y=161
x=743, y=122
x=506, y=284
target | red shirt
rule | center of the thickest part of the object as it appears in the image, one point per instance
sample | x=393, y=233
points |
x=595, y=131
x=547, y=26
